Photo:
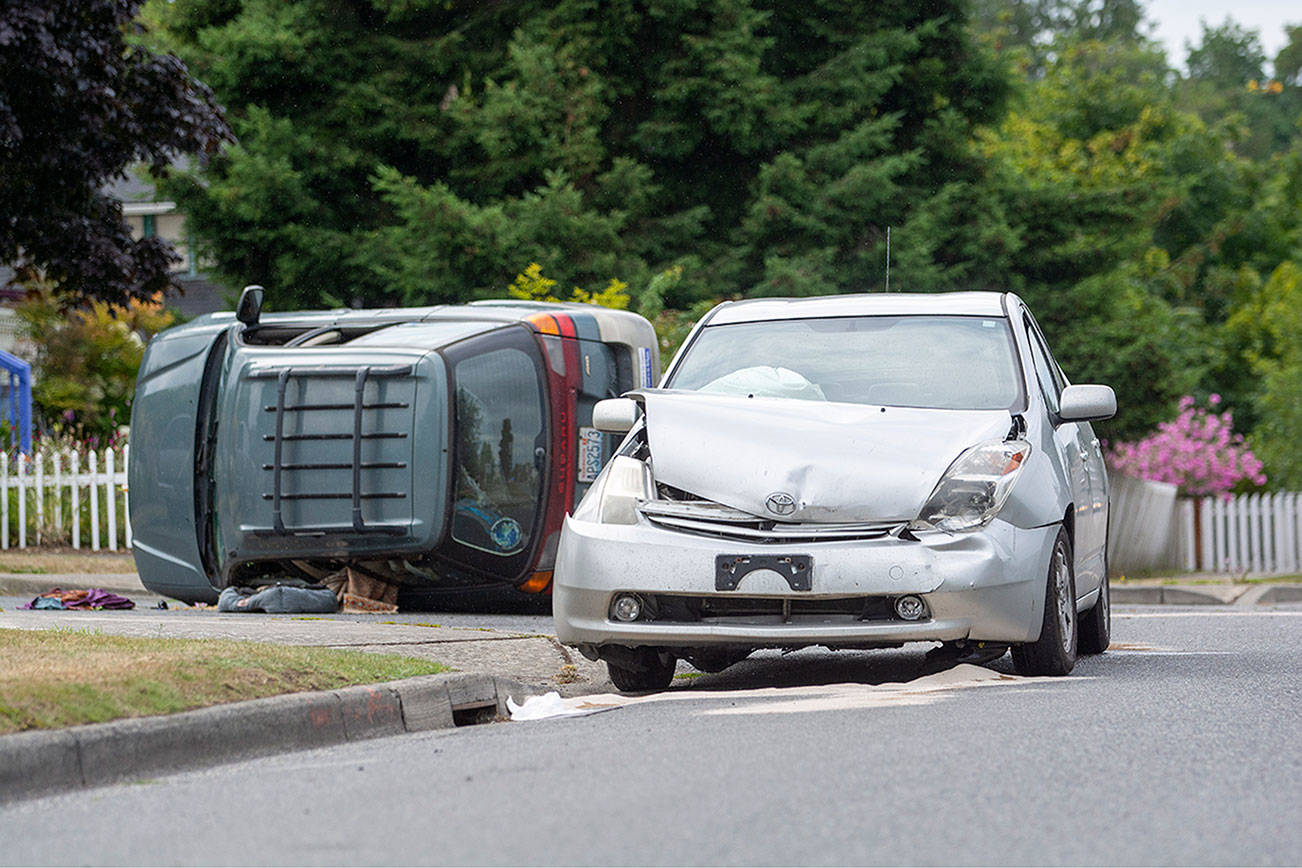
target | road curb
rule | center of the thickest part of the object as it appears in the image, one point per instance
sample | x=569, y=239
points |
x=1280, y=594
x=1206, y=595
x=39, y=763
x=1165, y=595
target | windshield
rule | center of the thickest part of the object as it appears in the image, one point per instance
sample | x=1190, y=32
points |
x=941, y=362
x=499, y=425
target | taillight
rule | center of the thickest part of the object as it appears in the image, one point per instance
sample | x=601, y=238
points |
x=537, y=583
x=559, y=340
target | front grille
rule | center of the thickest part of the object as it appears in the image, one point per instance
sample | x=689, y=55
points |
x=723, y=522
x=686, y=609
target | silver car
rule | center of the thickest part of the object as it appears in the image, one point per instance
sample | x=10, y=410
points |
x=852, y=472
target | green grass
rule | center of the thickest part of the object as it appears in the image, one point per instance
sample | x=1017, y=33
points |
x=57, y=678
x=60, y=559
x=1167, y=578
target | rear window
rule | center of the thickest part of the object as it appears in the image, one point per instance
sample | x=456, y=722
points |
x=499, y=427
x=941, y=362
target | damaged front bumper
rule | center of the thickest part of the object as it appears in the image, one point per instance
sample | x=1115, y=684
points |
x=986, y=585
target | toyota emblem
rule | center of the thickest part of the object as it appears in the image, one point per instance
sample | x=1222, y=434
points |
x=780, y=503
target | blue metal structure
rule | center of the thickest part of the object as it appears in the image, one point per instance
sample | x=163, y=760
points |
x=17, y=411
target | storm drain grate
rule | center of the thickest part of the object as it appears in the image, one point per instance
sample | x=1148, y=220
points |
x=473, y=714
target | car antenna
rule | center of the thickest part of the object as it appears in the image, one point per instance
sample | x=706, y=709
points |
x=888, y=259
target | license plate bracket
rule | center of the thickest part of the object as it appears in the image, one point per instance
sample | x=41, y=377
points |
x=729, y=570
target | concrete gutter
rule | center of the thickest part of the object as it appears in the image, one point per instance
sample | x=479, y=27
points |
x=1241, y=595
x=38, y=763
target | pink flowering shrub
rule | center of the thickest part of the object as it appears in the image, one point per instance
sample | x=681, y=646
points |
x=1198, y=452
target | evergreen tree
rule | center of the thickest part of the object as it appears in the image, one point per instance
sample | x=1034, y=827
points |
x=420, y=151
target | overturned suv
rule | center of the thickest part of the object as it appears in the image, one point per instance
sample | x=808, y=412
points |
x=437, y=448
x=851, y=472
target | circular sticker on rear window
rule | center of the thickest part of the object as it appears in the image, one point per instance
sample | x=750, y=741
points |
x=506, y=533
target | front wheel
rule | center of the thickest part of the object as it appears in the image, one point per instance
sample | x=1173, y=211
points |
x=642, y=669
x=1054, y=653
x=1096, y=624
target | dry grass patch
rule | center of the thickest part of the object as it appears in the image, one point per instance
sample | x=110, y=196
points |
x=55, y=678
x=42, y=561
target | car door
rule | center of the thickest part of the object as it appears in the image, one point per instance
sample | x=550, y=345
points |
x=1099, y=496
x=1073, y=443
x=1092, y=522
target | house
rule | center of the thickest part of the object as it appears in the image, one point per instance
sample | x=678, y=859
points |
x=149, y=215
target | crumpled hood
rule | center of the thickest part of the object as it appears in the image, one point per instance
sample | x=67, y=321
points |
x=838, y=462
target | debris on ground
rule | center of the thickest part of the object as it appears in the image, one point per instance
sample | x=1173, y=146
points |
x=783, y=700
x=87, y=598
x=278, y=599
x=551, y=705
x=369, y=593
x=361, y=587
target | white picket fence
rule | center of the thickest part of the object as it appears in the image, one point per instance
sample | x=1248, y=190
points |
x=70, y=498
x=1253, y=534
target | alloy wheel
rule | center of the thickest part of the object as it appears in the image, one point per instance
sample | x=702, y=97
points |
x=1066, y=605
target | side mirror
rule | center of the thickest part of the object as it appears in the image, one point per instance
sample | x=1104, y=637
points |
x=615, y=415
x=1087, y=403
x=249, y=310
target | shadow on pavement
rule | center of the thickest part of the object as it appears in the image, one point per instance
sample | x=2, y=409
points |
x=818, y=666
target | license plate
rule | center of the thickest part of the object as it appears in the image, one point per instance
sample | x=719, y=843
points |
x=591, y=452
x=729, y=570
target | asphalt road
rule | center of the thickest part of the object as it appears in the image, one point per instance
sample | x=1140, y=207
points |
x=1177, y=747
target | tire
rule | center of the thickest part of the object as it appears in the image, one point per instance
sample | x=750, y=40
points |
x=643, y=669
x=1054, y=653
x=1096, y=624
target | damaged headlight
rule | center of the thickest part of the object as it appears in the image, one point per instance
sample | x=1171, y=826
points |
x=975, y=487
x=615, y=496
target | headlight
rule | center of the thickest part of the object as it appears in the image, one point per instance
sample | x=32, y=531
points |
x=614, y=497
x=975, y=487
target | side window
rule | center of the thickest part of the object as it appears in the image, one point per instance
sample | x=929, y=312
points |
x=1045, y=371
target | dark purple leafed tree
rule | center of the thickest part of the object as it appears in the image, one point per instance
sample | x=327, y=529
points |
x=80, y=102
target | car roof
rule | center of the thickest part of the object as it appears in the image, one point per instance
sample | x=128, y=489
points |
x=865, y=304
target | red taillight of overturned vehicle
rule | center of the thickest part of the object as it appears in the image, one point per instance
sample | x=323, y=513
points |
x=559, y=340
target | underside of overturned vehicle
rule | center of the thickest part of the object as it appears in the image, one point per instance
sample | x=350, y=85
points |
x=437, y=449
